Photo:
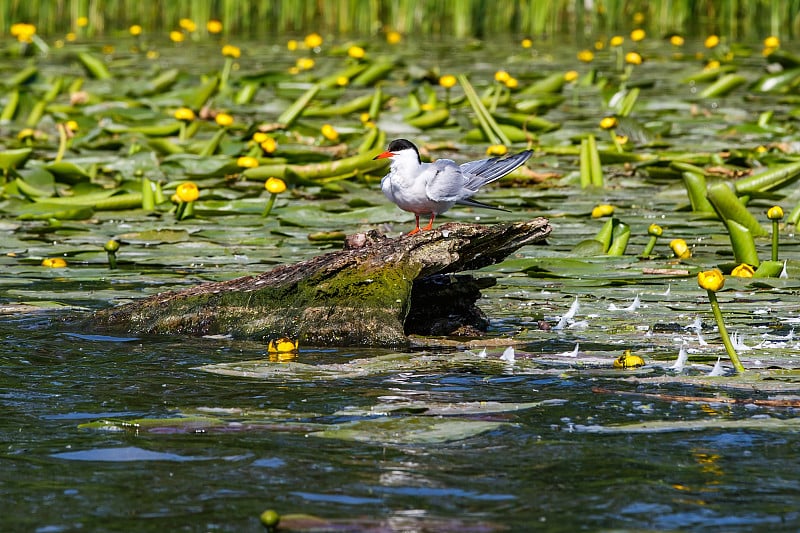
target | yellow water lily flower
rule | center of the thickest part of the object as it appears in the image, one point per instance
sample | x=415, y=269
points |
x=680, y=249
x=711, y=41
x=54, y=262
x=269, y=145
x=637, y=35
x=711, y=280
x=329, y=132
x=501, y=76
x=586, y=56
x=187, y=192
x=602, y=210
x=291, y=45
x=305, y=63
x=617, y=40
x=247, y=161
x=223, y=119
x=393, y=37
x=655, y=230
x=187, y=24
x=497, y=150
x=526, y=43
x=775, y=213
x=608, y=123
x=772, y=42
x=275, y=185
x=342, y=81
x=628, y=360
x=676, y=40
x=214, y=26
x=313, y=40
x=447, y=81
x=743, y=271
x=356, y=52
x=633, y=58
x=570, y=76
x=512, y=83
x=230, y=50
x=259, y=137
x=135, y=30
x=185, y=114
x=176, y=36
x=283, y=345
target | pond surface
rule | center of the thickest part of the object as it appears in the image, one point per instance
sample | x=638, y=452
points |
x=132, y=433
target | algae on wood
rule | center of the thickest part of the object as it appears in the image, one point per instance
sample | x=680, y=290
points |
x=361, y=295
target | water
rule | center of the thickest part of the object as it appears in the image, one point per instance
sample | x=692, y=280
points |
x=559, y=445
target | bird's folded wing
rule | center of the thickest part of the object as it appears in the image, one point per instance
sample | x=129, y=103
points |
x=444, y=181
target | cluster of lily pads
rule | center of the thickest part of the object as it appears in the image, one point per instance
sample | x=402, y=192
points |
x=92, y=129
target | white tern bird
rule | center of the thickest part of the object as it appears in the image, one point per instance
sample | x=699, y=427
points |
x=433, y=188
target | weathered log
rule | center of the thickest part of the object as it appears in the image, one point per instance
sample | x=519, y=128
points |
x=372, y=293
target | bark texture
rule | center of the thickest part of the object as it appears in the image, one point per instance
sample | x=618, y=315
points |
x=374, y=292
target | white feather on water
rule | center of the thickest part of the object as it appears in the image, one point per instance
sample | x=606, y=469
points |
x=680, y=362
x=717, y=370
x=637, y=303
x=508, y=355
x=573, y=309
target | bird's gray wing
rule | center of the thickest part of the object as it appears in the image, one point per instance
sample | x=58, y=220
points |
x=444, y=181
x=479, y=173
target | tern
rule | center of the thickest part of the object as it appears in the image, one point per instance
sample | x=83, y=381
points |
x=433, y=188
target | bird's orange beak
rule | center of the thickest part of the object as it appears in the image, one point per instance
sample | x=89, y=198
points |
x=383, y=155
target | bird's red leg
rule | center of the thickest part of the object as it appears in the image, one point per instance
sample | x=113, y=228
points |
x=430, y=223
x=415, y=230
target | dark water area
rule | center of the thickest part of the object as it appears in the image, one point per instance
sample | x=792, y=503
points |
x=543, y=468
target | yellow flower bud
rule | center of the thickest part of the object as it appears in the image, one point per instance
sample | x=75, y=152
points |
x=512, y=83
x=772, y=42
x=680, y=249
x=214, y=26
x=586, y=56
x=743, y=271
x=187, y=192
x=775, y=213
x=617, y=40
x=176, y=36
x=602, y=210
x=111, y=246
x=526, y=43
x=393, y=37
x=570, y=76
x=342, y=81
x=676, y=40
x=711, y=280
x=135, y=30
x=655, y=230
x=447, y=81
x=275, y=185
x=259, y=137
x=291, y=45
